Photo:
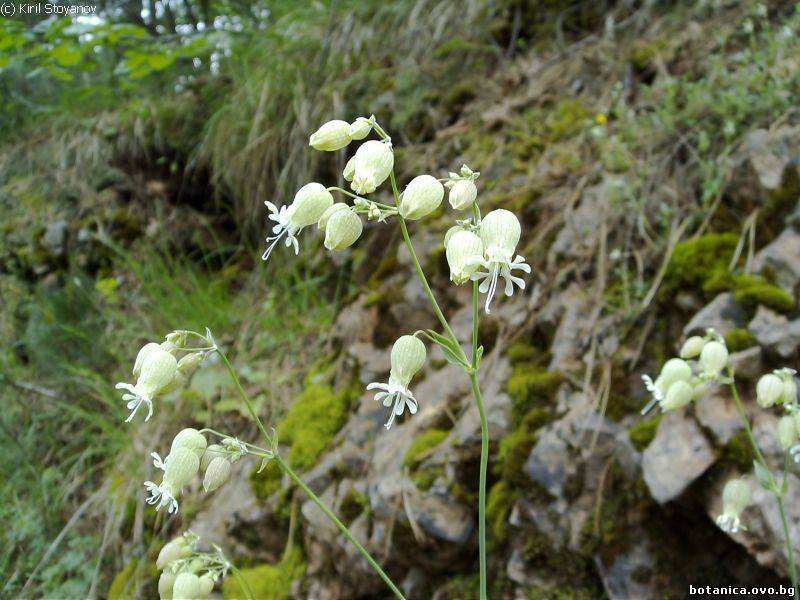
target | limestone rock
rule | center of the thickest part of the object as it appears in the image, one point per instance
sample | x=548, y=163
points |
x=779, y=260
x=776, y=332
x=723, y=313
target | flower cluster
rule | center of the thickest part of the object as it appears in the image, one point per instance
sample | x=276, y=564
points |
x=187, y=573
x=189, y=454
x=681, y=380
x=158, y=371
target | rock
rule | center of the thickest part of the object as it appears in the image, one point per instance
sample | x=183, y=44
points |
x=717, y=413
x=677, y=456
x=622, y=580
x=519, y=572
x=723, y=313
x=440, y=517
x=549, y=464
x=775, y=332
x=571, y=309
x=55, y=238
x=580, y=232
x=779, y=260
x=770, y=153
x=748, y=364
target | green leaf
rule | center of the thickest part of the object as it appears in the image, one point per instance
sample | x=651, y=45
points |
x=451, y=351
x=764, y=477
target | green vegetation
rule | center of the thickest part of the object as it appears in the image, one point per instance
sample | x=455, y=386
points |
x=643, y=432
x=698, y=260
x=123, y=587
x=738, y=452
x=422, y=446
x=267, y=582
x=739, y=339
x=498, y=505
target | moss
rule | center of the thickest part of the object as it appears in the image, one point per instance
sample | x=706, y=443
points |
x=425, y=478
x=565, y=119
x=422, y=445
x=529, y=388
x=312, y=421
x=460, y=587
x=498, y=504
x=513, y=452
x=521, y=352
x=738, y=452
x=642, y=53
x=697, y=260
x=385, y=268
x=353, y=505
x=643, y=432
x=765, y=294
x=267, y=582
x=739, y=339
x=123, y=586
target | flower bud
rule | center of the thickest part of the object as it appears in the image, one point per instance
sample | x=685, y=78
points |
x=191, y=439
x=789, y=394
x=500, y=231
x=735, y=497
x=329, y=212
x=422, y=196
x=189, y=363
x=462, y=194
x=451, y=232
x=186, y=587
x=309, y=203
x=212, y=451
x=463, y=245
x=408, y=356
x=143, y=353
x=206, y=585
x=692, y=347
x=333, y=135
x=177, y=338
x=679, y=394
x=699, y=388
x=713, y=358
x=342, y=231
x=172, y=550
x=360, y=128
x=787, y=432
x=373, y=164
x=181, y=465
x=675, y=369
x=769, y=390
x=158, y=369
x=165, y=585
x=349, y=169
x=217, y=473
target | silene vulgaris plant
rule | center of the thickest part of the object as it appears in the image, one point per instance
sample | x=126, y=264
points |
x=480, y=250
x=704, y=362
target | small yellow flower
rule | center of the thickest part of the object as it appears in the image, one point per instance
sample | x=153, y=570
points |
x=600, y=119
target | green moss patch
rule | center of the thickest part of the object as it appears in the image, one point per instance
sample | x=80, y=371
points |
x=313, y=420
x=765, y=294
x=422, y=446
x=530, y=388
x=498, y=504
x=696, y=261
x=267, y=482
x=643, y=432
x=123, y=587
x=739, y=339
x=266, y=582
x=738, y=452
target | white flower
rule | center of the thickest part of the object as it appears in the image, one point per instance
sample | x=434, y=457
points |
x=422, y=196
x=190, y=439
x=162, y=495
x=173, y=550
x=360, y=128
x=216, y=474
x=713, y=358
x=735, y=497
x=459, y=250
x=186, y=587
x=309, y=204
x=372, y=164
x=342, y=230
x=165, y=583
x=769, y=390
x=333, y=135
x=408, y=356
x=155, y=372
x=675, y=370
x=462, y=194
x=787, y=432
x=692, y=347
x=499, y=232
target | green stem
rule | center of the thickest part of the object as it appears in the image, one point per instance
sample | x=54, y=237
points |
x=346, y=532
x=420, y=272
x=288, y=470
x=476, y=391
x=760, y=458
x=243, y=583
